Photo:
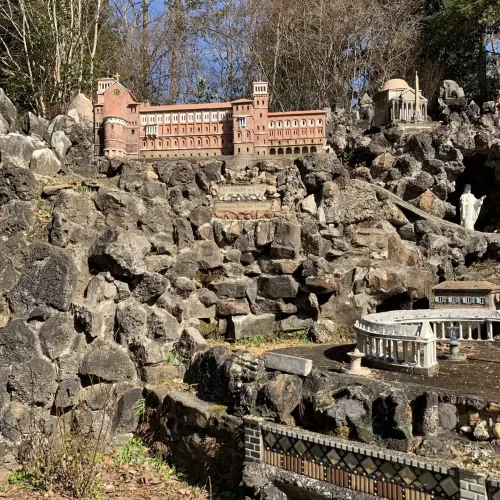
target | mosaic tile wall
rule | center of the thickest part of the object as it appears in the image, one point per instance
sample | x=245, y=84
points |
x=359, y=468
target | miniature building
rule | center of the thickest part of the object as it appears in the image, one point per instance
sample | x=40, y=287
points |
x=466, y=294
x=125, y=127
x=398, y=102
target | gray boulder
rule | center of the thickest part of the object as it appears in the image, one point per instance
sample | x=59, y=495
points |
x=150, y=287
x=106, y=361
x=126, y=417
x=4, y=125
x=83, y=107
x=8, y=110
x=286, y=243
x=33, y=125
x=44, y=162
x=96, y=320
x=48, y=280
x=242, y=327
x=57, y=335
x=190, y=343
x=120, y=252
x=68, y=393
x=162, y=326
x=278, y=398
x=19, y=147
x=208, y=255
x=131, y=320
x=277, y=287
x=16, y=183
x=33, y=382
x=17, y=343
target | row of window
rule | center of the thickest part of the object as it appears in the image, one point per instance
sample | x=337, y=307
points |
x=303, y=123
x=206, y=142
x=167, y=130
x=213, y=116
x=460, y=300
x=303, y=132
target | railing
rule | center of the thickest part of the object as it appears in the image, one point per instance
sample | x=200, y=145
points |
x=384, y=473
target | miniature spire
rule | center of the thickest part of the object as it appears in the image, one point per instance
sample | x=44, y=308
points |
x=417, y=116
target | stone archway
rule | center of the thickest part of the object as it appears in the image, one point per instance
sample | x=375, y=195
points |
x=272, y=151
x=313, y=149
x=280, y=151
x=288, y=151
x=305, y=150
x=296, y=151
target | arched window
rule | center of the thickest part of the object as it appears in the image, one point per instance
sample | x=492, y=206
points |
x=320, y=122
x=311, y=122
x=271, y=124
x=143, y=144
x=160, y=144
x=287, y=123
x=183, y=142
x=207, y=142
x=248, y=135
x=199, y=142
x=215, y=141
x=190, y=142
x=303, y=123
x=280, y=124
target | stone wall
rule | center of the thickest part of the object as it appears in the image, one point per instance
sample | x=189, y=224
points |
x=109, y=265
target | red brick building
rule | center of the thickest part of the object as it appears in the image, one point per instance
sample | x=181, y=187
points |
x=126, y=127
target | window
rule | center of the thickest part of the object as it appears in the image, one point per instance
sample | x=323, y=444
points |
x=311, y=122
x=242, y=121
x=143, y=144
x=214, y=116
x=206, y=117
x=320, y=122
x=159, y=118
x=248, y=108
x=190, y=117
x=151, y=118
x=175, y=117
x=303, y=123
x=183, y=117
x=167, y=118
x=287, y=123
x=144, y=119
x=279, y=124
x=198, y=117
x=132, y=131
x=229, y=115
x=222, y=115
x=271, y=124
x=261, y=115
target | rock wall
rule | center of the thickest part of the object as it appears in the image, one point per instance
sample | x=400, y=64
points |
x=109, y=265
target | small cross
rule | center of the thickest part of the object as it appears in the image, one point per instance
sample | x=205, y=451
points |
x=117, y=77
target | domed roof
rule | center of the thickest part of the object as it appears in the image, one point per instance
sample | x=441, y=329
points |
x=395, y=84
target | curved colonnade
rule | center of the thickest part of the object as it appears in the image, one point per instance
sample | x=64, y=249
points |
x=406, y=340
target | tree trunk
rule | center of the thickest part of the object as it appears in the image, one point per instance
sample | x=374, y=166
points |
x=482, y=69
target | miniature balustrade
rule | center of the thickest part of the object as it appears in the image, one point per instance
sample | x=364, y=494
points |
x=408, y=338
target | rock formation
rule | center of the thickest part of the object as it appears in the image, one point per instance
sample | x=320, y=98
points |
x=109, y=265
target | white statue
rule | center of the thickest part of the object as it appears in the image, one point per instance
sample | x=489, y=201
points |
x=470, y=207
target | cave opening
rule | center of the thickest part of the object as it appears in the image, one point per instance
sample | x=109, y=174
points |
x=482, y=181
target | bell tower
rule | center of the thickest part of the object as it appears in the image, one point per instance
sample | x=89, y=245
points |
x=260, y=106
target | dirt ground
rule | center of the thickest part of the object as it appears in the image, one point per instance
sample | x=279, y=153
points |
x=115, y=481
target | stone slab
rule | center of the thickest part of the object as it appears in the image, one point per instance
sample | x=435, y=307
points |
x=242, y=189
x=288, y=364
x=246, y=206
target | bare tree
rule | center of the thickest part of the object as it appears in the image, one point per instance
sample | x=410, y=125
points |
x=48, y=49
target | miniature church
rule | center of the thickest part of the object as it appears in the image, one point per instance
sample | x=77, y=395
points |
x=399, y=104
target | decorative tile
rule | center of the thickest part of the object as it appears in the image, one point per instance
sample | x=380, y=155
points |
x=350, y=460
x=285, y=443
x=270, y=439
x=334, y=457
x=368, y=465
x=316, y=452
x=407, y=475
x=300, y=448
x=387, y=470
x=449, y=486
x=428, y=480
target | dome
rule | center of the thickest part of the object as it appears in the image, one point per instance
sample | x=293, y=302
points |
x=395, y=84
